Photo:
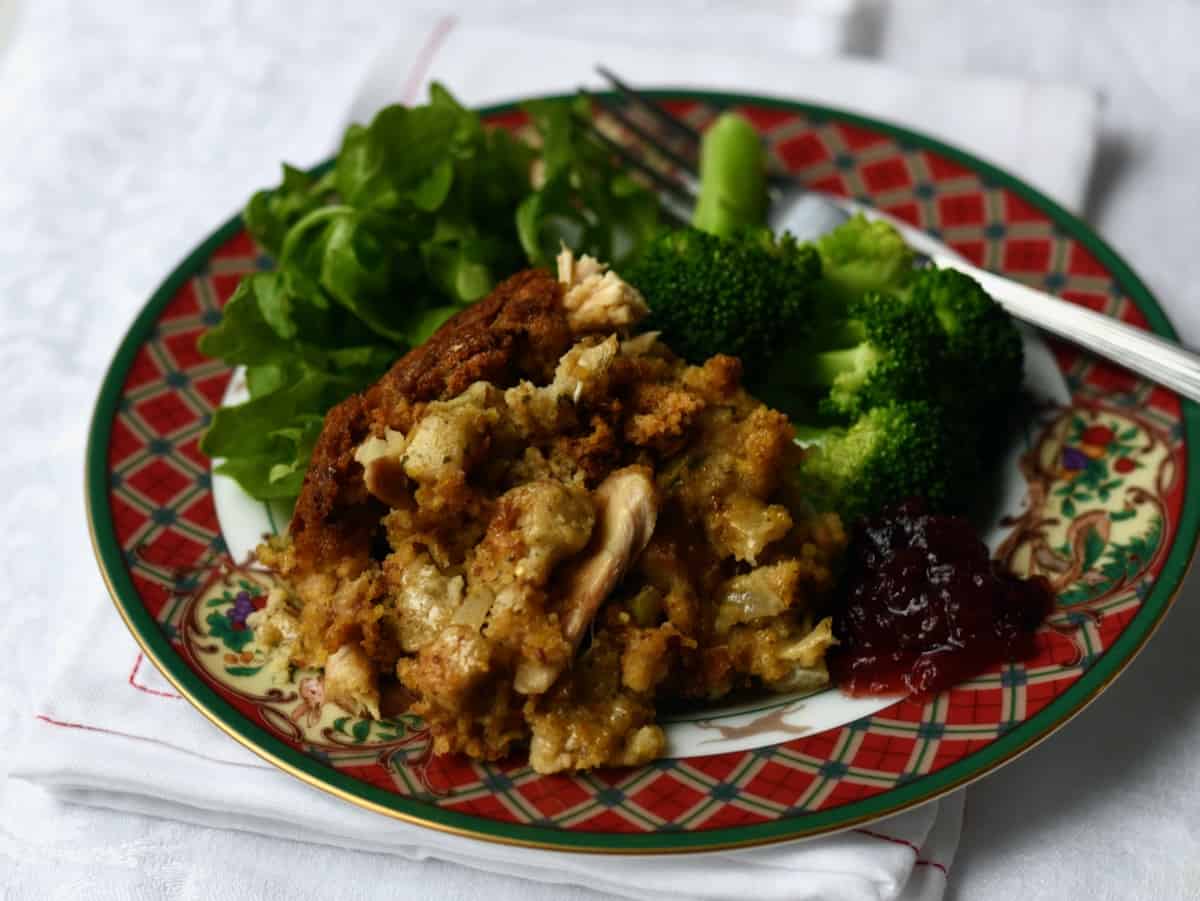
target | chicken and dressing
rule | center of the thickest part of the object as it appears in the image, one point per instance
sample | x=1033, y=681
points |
x=540, y=526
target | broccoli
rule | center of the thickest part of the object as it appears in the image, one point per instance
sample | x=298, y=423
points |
x=860, y=256
x=891, y=452
x=905, y=381
x=736, y=295
x=733, y=173
x=938, y=336
x=984, y=356
x=882, y=351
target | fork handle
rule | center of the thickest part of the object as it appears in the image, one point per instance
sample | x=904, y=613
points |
x=1158, y=359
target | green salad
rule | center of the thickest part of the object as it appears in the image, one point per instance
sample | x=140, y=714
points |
x=898, y=379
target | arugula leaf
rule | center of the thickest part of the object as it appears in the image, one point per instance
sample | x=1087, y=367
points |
x=401, y=158
x=584, y=201
x=270, y=213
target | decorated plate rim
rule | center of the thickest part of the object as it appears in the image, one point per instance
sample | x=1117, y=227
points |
x=999, y=751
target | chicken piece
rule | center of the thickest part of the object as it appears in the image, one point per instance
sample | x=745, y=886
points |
x=534, y=528
x=382, y=460
x=640, y=345
x=596, y=298
x=581, y=372
x=762, y=592
x=452, y=434
x=627, y=509
x=350, y=681
x=786, y=657
x=580, y=375
x=424, y=598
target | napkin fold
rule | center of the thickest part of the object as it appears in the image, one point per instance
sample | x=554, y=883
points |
x=910, y=852
x=108, y=731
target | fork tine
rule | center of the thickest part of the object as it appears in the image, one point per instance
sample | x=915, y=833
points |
x=778, y=182
x=678, y=199
x=645, y=103
x=687, y=166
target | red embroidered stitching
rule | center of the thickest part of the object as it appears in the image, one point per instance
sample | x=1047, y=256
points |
x=150, y=691
x=425, y=58
x=920, y=861
x=68, y=725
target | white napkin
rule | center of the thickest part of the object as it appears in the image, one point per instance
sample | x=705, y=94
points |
x=101, y=211
x=1043, y=131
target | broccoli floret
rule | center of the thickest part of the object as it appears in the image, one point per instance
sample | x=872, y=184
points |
x=894, y=356
x=941, y=337
x=860, y=256
x=919, y=383
x=742, y=295
x=891, y=452
x=984, y=355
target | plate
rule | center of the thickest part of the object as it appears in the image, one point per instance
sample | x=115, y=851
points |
x=1092, y=495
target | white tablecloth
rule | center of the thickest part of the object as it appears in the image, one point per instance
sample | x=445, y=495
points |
x=1107, y=809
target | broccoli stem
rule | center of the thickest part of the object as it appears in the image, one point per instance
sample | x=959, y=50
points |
x=824, y=368
x=813, y=435
x=733, y=177
x=846, y=333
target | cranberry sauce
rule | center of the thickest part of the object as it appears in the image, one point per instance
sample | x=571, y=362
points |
x=925, y=606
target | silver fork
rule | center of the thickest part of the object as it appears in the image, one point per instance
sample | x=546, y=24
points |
x=672, y=168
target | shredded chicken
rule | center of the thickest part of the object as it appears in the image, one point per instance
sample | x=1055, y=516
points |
x=426, y=598
x=382, y=461
x=351, y=682
x=596, y=298
x=761, y=593
x=627, y=509
x=452, y=434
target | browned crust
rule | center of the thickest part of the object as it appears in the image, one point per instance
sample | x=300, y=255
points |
x=334, y=514
x=518, y=331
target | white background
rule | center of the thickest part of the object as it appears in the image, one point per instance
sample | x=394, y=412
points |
x=1108, y=808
